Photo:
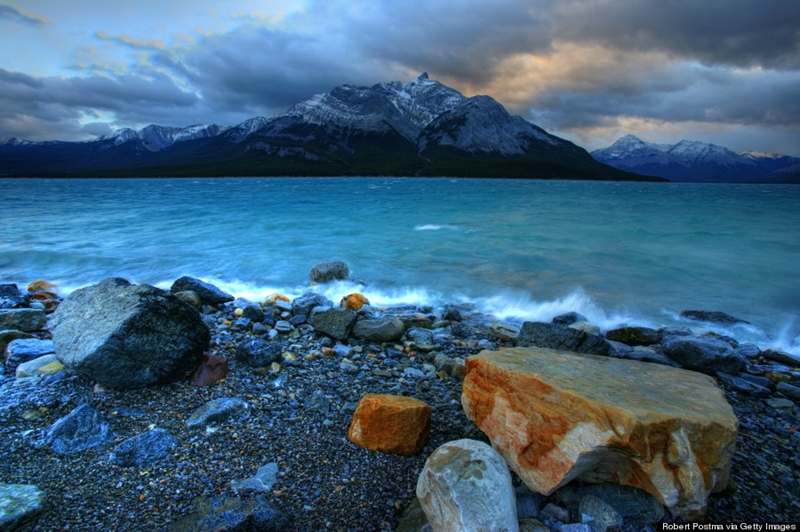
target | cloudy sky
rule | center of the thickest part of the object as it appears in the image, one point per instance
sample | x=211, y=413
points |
x=720, y=71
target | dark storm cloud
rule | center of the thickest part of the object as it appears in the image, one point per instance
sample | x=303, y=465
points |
x=37, y=106
x=741, y=33
x=12, y=13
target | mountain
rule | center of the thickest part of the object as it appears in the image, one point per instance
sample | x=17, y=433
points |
x=419, y=128
x=693, y=161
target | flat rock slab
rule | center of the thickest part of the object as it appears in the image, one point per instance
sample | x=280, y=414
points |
x=556, y=416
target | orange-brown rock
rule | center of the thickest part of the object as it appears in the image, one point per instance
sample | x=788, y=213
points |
x=40, y=285
x=353, y=301
x=390, y=424
x=211, y=369
x=557, y=416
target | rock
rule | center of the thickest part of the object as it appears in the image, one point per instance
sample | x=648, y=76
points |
x=20, y=505
x=528, y=502
x=532, y=525
x=262, y=481
x=748, y=350
x=52, y=368
x=81, y=429
x=250, y=309
x=191, y=297
x=420, y=336
x=390, y=424
x=128, y=336
x=743, y=385
x=308, y=301
x=556, y=512
x=354, y=301
x=22, y=319
x=24, y=350
x=219, y=411
x=569, y=318
x=232, y=514
x=208, y=293
x=778, y=403
x=10, y=296
x=780, y=356
x=7, y=336
x=557, y=416
x=712, y=316
x=555, y=336
x=336, y=323
x=379, y=330
x=703, y=354
x=634, y=335
x=145, y=449
x=792, y=392
x=635, y=506
x=31, y=367
x=41, y=285
x=329, y=271
x=645, y=354
x=258, y=352
x=504, y=332
x=211, y=369
x=452, y=314
x=413, y=519
x=585, y=326
x=465, y=486
x=598, y=514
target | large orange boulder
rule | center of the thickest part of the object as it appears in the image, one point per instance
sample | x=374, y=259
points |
x=557, y=416
x=391, y=424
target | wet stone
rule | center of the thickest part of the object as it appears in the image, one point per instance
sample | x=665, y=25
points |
x=81, y=429
x=144, y=449
x=219, y=411
x=20, y=504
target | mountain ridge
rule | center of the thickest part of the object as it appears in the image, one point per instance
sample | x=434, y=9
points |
x=695, y=161
x=416, y=128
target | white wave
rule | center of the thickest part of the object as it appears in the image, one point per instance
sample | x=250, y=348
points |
x=428, y=227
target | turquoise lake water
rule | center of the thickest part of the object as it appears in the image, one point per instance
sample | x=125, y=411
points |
x=619, y=253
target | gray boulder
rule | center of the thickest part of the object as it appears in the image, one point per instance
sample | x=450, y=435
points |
x=128, y=336
x=22, y=319
x=703, y=354
x=634, y=335
x=250, y=309
x=334, y=322
x=465, y=486
x=379, y=330
x=329, y=271
x=569, y=318
x=145, y=449
x=81, y=429
x=20, y=505
x=207, y=292
x=304, y=304
x=556, y=336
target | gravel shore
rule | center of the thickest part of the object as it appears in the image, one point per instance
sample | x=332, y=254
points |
x=299, y=417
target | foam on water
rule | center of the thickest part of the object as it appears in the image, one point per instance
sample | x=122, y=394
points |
x=618, y=253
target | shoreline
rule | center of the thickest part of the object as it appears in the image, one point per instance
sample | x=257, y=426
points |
x=299, y=415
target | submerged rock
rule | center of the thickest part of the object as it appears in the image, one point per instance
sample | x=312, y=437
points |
x=128, y=336
x=712, y=316
x=323, y=272
x=556, y=416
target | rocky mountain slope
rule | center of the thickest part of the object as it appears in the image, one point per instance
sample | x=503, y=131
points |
x=419, y=128
x=693, y=161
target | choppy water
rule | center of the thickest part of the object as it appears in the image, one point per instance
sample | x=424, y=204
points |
x=634, y=253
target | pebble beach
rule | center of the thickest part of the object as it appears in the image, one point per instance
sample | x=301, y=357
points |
x=298, y=413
